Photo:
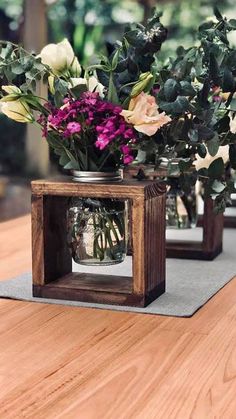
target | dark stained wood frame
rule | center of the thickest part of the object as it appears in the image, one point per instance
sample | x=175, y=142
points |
x=230, y=220
x=211, y=245
x=52, y=264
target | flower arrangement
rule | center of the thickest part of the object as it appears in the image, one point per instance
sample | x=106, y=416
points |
x=86, y=122
x=99, y=117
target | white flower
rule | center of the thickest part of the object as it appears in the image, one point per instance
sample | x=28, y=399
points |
x=92, y=83
x=60, y=57
x=75, y=68
x=205, y=162
x=17, y=110
x=232, y=125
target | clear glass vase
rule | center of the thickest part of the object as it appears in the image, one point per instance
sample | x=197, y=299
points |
x=97, y=230
x=181, y=207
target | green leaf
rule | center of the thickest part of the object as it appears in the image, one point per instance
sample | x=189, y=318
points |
x=185, y=164
x=213, y=145
x=232, y=105
x=17, y=68
x=171, y=89
x=232, y=23
x=187, y=89
x=64, y=159
x=202, y=151
x=205, y=133
x=214, y=69
x=193, y=135
x=232, y=155
x=132, y=37
x=203, y=172
x=179, y=106
x=216, y=169
x=218, y=186
x=115, y=60
x=206, y=25
x=217, y=13
x=78, y=90
x=112, y=93
x=228, y=81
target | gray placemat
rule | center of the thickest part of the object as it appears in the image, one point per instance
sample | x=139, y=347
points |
x=190, y=284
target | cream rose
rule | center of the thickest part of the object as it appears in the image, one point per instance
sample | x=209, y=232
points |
x=92, y=83
x=205, y=162
x=17, y=110
x=143, y=114
x=60, y=57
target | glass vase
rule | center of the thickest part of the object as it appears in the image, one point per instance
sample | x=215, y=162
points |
x=181, y=207
x=97, y=231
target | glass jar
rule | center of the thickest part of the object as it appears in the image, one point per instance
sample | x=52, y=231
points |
x=97, y=230
x=181, y=207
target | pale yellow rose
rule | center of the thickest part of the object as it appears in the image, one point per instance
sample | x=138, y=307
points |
x=92, y=83
x=60, y=57
x=143, y=114
x=17, y=110
x=205, y=162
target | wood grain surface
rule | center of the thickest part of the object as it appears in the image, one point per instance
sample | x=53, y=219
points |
x=67, y=362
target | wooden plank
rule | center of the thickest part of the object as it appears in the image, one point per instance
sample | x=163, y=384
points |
x=124, y=189
x=155, y=254
x=213, y=225
x=145, y=363
x=96, y=282
x=38, y=264
x=138, y=240
x=57, y=258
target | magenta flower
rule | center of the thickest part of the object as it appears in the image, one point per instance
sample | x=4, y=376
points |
x=99, y=123
x=102, y=142
x=73, y=127
x=125, y=149
x=128, y=159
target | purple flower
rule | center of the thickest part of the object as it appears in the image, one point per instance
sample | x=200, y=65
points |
x=99, y=123
x=128, y=159
x=73, y=127
x=102, y=142
x=125, y=149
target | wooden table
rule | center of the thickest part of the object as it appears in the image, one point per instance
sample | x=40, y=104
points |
x=68, y=362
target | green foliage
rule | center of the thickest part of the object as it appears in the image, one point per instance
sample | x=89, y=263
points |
x=132, y=58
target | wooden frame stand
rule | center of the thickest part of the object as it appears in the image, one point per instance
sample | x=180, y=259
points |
x=211, y=245
x=52, y=263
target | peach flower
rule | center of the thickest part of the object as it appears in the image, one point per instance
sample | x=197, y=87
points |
x=143, y=114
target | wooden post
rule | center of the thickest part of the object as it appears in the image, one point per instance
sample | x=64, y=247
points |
x=34, y=39
x=52, y=276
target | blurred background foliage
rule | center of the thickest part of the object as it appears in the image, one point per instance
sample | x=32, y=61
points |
x=92, y=26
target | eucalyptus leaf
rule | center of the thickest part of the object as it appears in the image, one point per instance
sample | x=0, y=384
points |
x=218, y=186
x=171, y=89
x=216, y=168
x=213, y=146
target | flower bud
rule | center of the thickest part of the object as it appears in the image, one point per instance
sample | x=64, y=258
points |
x=17, y=110
x=141, y=84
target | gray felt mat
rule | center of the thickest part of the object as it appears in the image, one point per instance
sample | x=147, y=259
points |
x=190, y=284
